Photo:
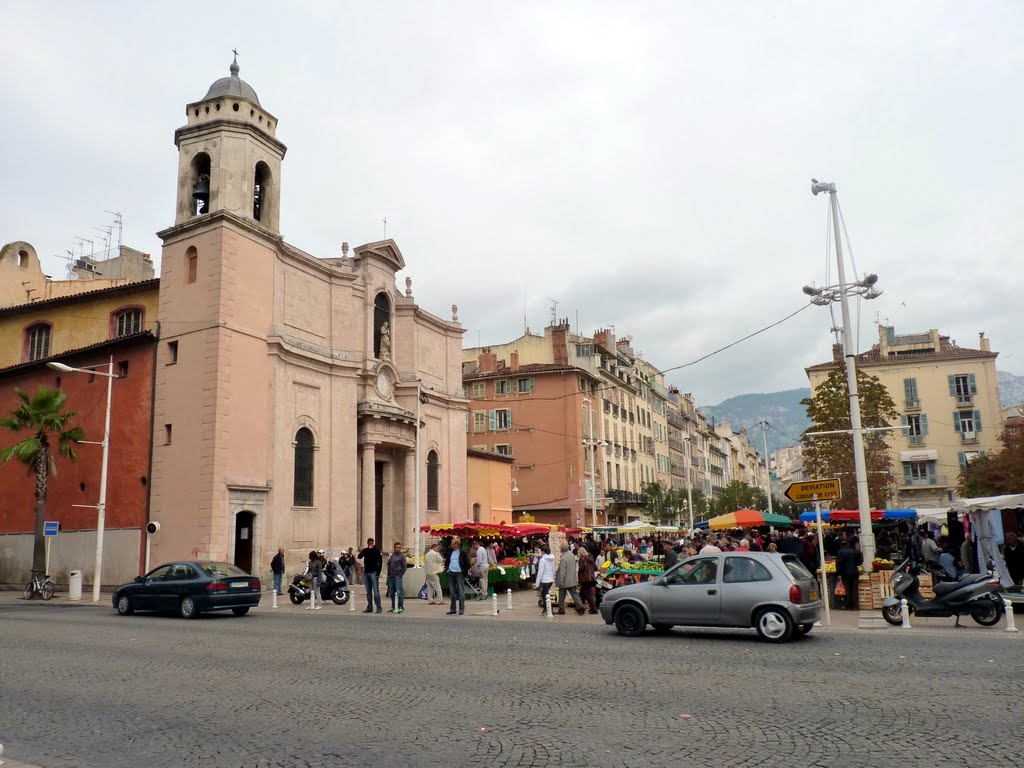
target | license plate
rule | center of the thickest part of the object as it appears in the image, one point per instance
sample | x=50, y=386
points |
x=239, y=584
x=813, y=595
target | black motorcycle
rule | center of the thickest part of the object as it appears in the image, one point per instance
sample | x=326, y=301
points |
x=977, y=595
x=333, y=587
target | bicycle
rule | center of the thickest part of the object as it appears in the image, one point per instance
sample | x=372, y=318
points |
x=40, y=583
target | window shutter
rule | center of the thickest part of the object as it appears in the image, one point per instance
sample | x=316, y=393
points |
x=931, y=472
x=977, y=421
x=910, y=389
x=906, y=473
x=956, y=421
x=952, y=387
x=972, y=383
x=924, y=423
x=494, y=420
x=905, y=422
x=982, y=453
x=962, y=459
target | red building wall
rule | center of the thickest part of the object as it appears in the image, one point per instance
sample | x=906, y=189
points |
x=79, y=483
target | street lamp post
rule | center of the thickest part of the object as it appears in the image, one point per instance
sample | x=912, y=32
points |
x=767, y=466
x=591, y=445
x=823, y=297
x=101, y=506
x=689, y=482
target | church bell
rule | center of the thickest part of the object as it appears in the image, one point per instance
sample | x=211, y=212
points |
x=201, y=193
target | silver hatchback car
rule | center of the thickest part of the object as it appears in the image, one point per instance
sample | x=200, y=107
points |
x=771, y=592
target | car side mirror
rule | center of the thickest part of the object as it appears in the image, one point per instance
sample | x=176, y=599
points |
x=661, y=581
x=139, y=579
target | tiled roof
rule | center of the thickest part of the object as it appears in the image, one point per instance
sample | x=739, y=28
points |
x=489, y=455
x=525, y=370
x=147, y=335
x=73, y=298
x=874, y=356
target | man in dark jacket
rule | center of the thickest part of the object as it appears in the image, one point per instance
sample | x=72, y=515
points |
x=277, y=568
x=456, y=563
x=847, y=562
x=372, y=562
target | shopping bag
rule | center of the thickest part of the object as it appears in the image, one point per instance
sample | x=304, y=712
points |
x=423, y=592
x=840, y=588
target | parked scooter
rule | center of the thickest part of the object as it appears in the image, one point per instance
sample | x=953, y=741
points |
x=977, y=595
x=333, y=587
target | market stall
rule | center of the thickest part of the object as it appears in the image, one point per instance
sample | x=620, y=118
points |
x=748, y=518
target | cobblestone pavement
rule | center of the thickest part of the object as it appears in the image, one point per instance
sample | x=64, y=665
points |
x=83, y=688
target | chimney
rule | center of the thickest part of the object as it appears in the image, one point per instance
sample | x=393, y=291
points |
x=601, y=339
x=986, y=345
x=837, y=353
x=514, y=360
x=488, y=362
x=560, y=344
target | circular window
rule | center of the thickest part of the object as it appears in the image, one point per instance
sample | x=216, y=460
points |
x=234, y=107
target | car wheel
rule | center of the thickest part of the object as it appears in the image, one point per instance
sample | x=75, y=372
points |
x=893, y=614
x=663, y=629
x=187, y=608
x=773, y=625
x=124, y=606
x=803, y=629
x=48, y=590
x=985, y=613
x=340, y=596
x=296, y=598
x=241, y=610
x=630, y=621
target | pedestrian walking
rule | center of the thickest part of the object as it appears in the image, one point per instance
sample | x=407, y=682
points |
x=481, y=565
x=277, y=568
x=372, y=559
x=457, y=565
x=847, y=561
x=433, y=564
x=566, y=581
x=586, y=572
x=315, y=568
x=1013, y=554
x=670, y=556
x=545, y=575
x=397, y=566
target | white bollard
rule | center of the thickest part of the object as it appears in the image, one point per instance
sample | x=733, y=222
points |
x=1010, y=625
x=494, y=604
x=351, y=601
x=547, y=606
x=905, y=613
x=508, y=596
x=274, y=593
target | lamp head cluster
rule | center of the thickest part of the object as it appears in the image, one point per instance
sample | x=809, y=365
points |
x=825, y=295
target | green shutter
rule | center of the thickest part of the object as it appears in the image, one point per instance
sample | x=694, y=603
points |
x=908, y=389
x=977, y=421
x=924, y=423
x=956, y=421
x=972, y=384
x=952, y=385
x=905, y=422
x=931, y=472
x=982, y=453
x=963, y=459
x=906, y=473
x=493, y=414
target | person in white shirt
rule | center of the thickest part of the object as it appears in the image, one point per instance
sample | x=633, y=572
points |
x=711, y=547
x=480, y=561
x=545, y=575
x=433, y=564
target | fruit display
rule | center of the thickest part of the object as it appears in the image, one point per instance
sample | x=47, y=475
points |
x=642, y=567
x=881, y=564
x=519, y=561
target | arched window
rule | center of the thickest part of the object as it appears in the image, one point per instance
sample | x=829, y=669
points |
x=125, y=322
x=37, y=341
x=200, y=187
x=191, y=264
x=382, y=326
x=302, y=495
x=260, y=191
x=432, y=467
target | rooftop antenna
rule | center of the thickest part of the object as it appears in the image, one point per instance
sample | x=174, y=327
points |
x=108, y=232
x=385, y=220
x=554, y=310
x=524, y=311
x=119, y=223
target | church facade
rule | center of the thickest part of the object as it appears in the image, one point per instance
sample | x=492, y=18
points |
x=300, y=402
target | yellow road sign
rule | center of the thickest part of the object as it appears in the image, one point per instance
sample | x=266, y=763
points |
x=824, y=490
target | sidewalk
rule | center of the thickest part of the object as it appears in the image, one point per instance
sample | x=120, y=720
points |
x=524, y=609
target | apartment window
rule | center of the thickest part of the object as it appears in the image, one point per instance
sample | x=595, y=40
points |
x=467, y=422
x=127, y=322
x=963, y=386
x=966, y=457
x=915, y=428
x=122, y=369
x=479, y=389
x=172, y=352
x=37, y=341
x=919, y=472
x=302, y=492
x=500, y=420
x=191, y=264
x=503, y=449
x=168, y=433
x=524, y=385
x=503, y=387
x=584, y=384
x=967, y=421
x=432, y=480
x=910, y=392
x=479, y=421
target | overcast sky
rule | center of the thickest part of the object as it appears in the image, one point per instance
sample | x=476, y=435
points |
x=645, y=164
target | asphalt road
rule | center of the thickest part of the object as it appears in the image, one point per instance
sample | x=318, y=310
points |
x=83, y=688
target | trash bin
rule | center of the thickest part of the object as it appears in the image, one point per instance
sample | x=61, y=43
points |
x=75, y=585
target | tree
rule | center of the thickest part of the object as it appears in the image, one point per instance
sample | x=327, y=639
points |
x=832, y=455
x=43, y=416
x=739, y=495
x=997, y=473
x=663, y=505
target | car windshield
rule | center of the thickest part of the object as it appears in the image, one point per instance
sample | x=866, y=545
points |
x=797, y=568
x=221, y=570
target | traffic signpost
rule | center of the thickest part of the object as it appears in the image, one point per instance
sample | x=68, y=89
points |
x=814, y=490
x=50, y=530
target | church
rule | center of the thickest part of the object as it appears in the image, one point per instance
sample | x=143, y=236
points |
x=300, y=401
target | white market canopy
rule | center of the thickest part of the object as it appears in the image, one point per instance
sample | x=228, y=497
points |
x=980, y=504
x=637, y=526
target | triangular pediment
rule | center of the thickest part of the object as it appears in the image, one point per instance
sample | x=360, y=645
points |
x=384, y=250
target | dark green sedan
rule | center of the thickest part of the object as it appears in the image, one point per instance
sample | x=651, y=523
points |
x=190, y=588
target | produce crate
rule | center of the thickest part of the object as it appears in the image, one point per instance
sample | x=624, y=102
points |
x=926, y=584
x=880, y=587
x=865, y=599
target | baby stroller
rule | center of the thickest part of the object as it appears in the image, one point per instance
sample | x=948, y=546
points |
x=472, y=587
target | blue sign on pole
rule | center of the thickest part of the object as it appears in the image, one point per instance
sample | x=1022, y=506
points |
x=50, y=528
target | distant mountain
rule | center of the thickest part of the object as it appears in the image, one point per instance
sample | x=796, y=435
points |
x=782, y=411
x=1011, y=389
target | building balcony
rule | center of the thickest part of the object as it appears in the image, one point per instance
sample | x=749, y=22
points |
x=934, y=481
x=968, y=438
x=912, y=404
x=964, y=399
x=625, y=497
x=916, y=440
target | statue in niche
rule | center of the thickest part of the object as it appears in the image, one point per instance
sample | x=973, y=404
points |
x=385, y=342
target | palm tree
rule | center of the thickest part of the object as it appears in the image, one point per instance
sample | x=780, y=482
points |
x=41, y=415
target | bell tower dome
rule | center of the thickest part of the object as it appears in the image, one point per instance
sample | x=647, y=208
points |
x=229, y=159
